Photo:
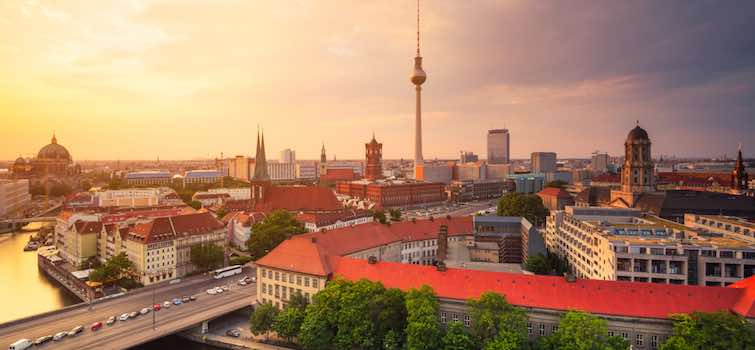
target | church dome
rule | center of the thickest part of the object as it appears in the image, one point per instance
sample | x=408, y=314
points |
x=54, y=151
x=20, y=161
x=637, y=134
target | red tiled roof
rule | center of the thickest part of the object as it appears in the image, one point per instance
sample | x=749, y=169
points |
x=348, y=240
x=245, y=218
x=299, y=198
x=86, y=227
x=554, y=192
x=609, y=178
x=298, y=255
x=166, y=228
x=647, y=300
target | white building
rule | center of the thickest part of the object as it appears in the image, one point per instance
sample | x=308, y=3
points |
x=132, y=197
x=202, y=176
x=281, y=171
x=14, y=197
x=355, y=166
x=599, y=163
x=241, y=193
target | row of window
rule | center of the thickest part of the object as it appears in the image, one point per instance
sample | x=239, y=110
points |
x=283, y=292
x=291, y=278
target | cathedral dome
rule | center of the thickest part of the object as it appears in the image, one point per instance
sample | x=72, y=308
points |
x=20, y=161
x=637, y=134
x=54, y=151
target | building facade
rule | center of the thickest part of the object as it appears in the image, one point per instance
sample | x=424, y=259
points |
x=393, y=193
x=374, y=159
x=543, y=162
x=637, y=172
x=14, y=197
x=202, y=177
x=281, y=171
x=498, y=146
x=288, y=156
x=149, y=178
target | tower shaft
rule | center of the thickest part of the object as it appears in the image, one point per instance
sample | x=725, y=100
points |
x=418, y=160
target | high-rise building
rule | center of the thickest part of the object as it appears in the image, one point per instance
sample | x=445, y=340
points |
x=498, y=146
x=288, y=156
x=374, y=156
x=468, y=157
x=599, y=163
x=543, y=162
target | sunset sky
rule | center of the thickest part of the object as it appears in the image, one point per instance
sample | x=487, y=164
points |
x=138, y=79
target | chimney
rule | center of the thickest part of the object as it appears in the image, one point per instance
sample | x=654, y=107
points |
x=442, y=244
x=441, y=266
x=372, y=260
x=432, y=218
x=414, y=220
x=569, y=277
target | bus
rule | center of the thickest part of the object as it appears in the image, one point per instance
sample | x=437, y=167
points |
x=226, y=271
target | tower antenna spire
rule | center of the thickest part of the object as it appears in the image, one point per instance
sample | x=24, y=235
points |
x=418, y=28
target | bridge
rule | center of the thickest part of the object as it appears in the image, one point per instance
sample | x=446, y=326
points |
x=125, y=334
x=28, y=220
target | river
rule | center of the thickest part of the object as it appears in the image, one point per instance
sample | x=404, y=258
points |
x=26, y=291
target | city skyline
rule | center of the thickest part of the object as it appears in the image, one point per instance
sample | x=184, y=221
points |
x=89, y=73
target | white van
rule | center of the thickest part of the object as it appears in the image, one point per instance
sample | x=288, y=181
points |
x=20, y=344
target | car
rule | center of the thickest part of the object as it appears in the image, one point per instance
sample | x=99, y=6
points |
x=185, y=299
x=226, y=288
x=242, y=283
x=76, y=330
x=192, y=298
x=42, y=340
x=133, y=314
x=20, y=344
x=156, y=307
x=218, y=290
x=212, y=291
x=233, y=333
x=59, y=336
x=110, y=321
x=95, y=326
x=176, y=301
x=166, y=304
x=123, y=317
x=145, y=311
x=254, y=279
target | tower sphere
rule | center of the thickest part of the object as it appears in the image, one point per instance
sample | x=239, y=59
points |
x=418, y=76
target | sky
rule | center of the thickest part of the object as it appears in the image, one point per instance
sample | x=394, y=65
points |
x=141, y=79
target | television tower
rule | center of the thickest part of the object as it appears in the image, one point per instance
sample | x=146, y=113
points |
x=418, y=77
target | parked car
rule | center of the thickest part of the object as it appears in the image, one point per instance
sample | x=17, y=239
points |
x=133, y=314
x=225, y=288
x=95, y=326
x=233, y=333
x=156, y=307
x=242, y=283
x=42, y=340
x=176, y=301
x=192, y=298
x=110, y=321
x=185, y=299
x=59, y=336
x=166, y=304
x=212, y=291
x=123, y=317
x=76, y=330
x=145, y=311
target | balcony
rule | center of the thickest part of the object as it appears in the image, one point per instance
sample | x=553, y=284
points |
x=712, y=270
x=731, y=271
x=658, y=266
x=676, y=267
x=623, y=264
x=640, y=265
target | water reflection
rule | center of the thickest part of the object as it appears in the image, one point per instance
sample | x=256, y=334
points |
x=25, y=290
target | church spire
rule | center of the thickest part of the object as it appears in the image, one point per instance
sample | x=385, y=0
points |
x=260, y=163
x=54, y=139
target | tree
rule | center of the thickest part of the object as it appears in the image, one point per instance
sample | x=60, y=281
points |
x=423, y=330
x=206, y=256
x=395, y=214
x=221, y=213
x=261, y=321
x=549, y=264
x=379, y=216
x=583, y=331
x=321, y=320
x=557, y=184
x=457, y=338
x=529, y=206
x=60, y=189
x=271, y=231
x=195, y=204
x=288, y=322
x=494, y=319
x=114, y=269
x=717, y=330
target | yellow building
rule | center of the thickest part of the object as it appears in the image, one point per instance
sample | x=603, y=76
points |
x=297, y=267
x=80, y=241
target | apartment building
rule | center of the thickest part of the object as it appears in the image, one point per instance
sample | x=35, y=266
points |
x=132, y=197
x=730, y=226
x=149, y=178
x=14, y=197
x=625, y=245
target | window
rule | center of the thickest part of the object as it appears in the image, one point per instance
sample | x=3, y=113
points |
x=529, y=328
x=653, y=341
x=298, y=280
x=625, y=335
x=284, y=277
x=315, y=283
x=306, y=281
x=610, y=333
x=554, y=328
x=277, y=276
x=455, y=317
x=291, y=278
x=443, y=317
x=467, y=320
x=541, y=330
x=277, y=290
x=638, y=339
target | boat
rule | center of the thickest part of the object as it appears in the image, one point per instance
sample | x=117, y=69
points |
x=31, y=246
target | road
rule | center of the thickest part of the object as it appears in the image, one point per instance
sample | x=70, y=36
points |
x=469, y=209
x=124, y=334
